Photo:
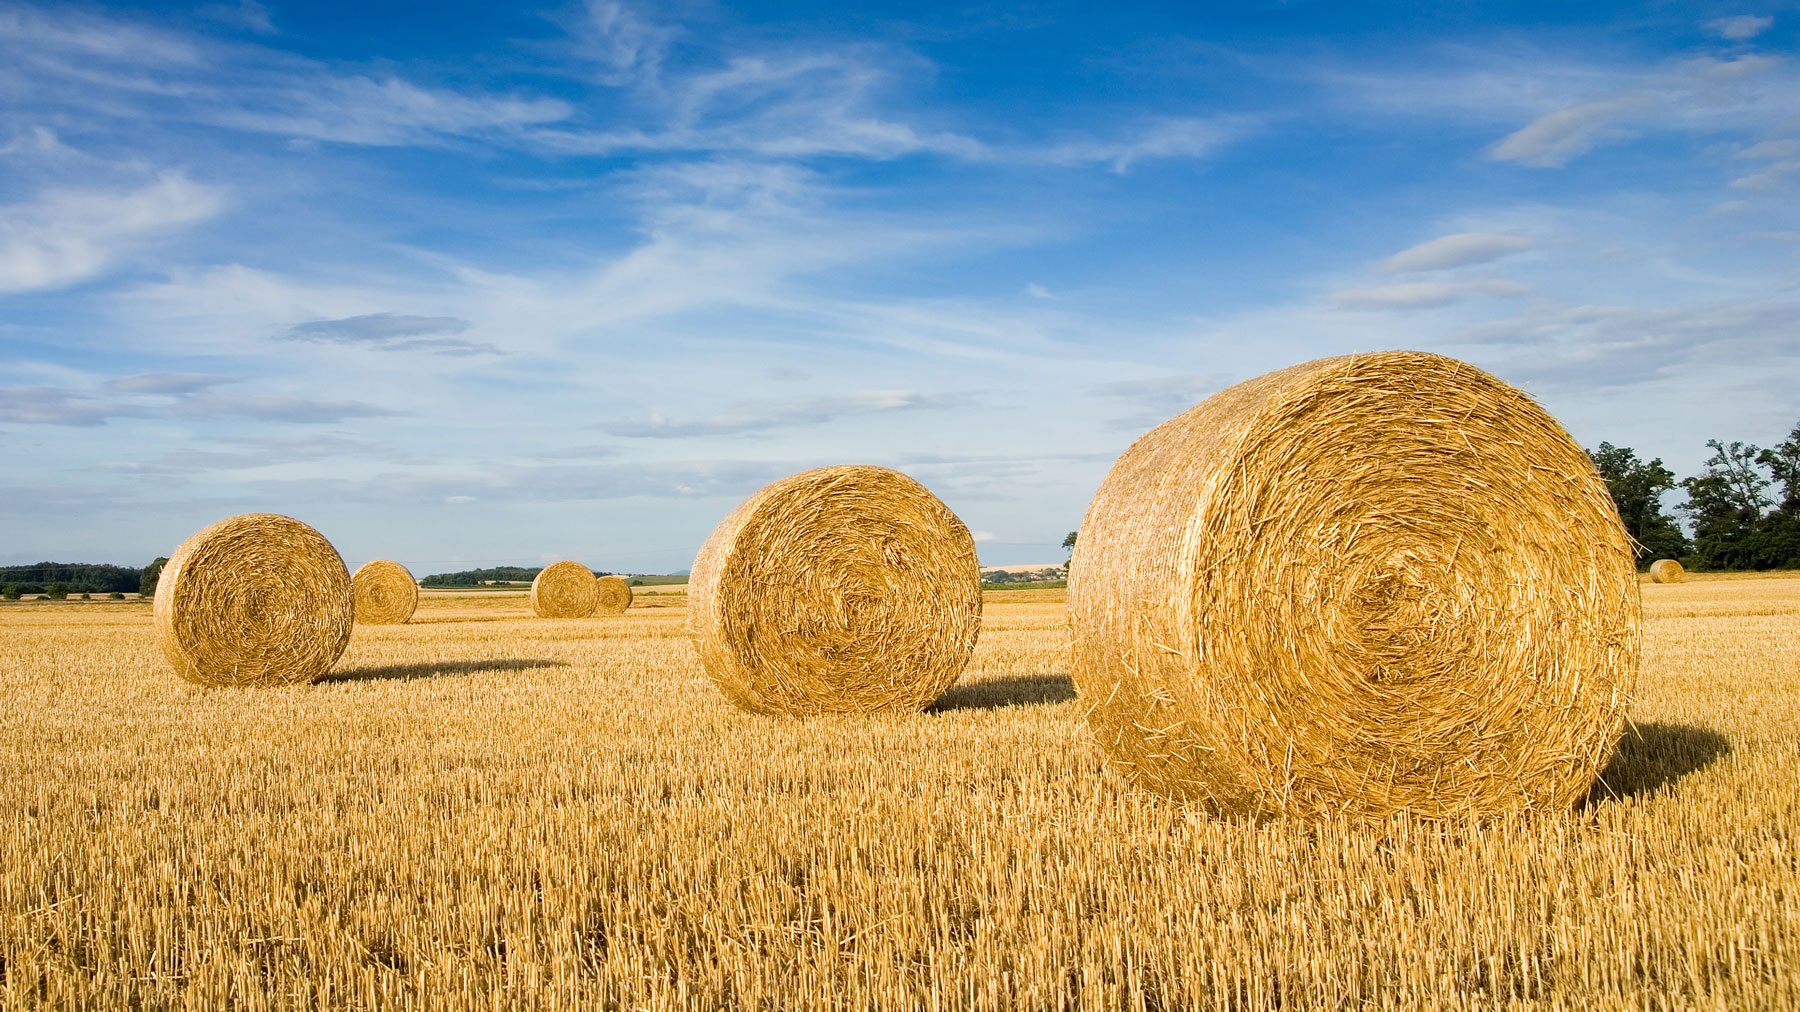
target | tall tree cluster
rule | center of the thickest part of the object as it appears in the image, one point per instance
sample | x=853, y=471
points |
x=1744, y=507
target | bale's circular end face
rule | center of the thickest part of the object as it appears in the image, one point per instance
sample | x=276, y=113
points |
x=257, y=599
x=385, y=593
x=1666, y=571
x=846, y=589
x=613, y=595
x=1361, y=585
x=564, y=590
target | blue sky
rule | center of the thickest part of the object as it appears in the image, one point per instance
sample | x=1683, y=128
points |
x=507, y=285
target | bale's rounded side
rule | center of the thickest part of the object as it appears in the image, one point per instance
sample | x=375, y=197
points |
x=1361, y=585
x=846, y=589
x=256, y=599
x=613, y=595
x=564, y=590
x=385, y=593
x=1666, y=571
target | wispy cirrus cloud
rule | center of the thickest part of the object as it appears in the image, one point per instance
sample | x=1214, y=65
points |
x=393, y=332
x=65, y=236
x=1425, y=294
x=168, y=384
x=276, y=408
x=1459, y=250
x=54, y=406
x=773, y=415
x=1741, y=27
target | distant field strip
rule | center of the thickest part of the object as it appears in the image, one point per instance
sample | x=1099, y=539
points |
x=482, y=809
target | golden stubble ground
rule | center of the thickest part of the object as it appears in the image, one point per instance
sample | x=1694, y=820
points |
x=486, y=810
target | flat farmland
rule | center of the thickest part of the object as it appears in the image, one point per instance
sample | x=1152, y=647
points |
x=485, y=810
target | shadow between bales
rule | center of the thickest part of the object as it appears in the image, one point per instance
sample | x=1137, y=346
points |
x=438, y=669
x=451, y=621
x=1023, y=690
x=1650, y=757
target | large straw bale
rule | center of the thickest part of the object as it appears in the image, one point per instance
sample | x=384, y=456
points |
x=564, y=590
x=846, y=589
x=1666, y=571
x=1369, y=584
x=613, y=595
x=256, y=599
x=385, y=593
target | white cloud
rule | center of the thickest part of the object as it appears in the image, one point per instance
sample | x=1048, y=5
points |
x=1741, y=27
x=980, y=536
x=1772, y=178
x=51, y=406
x=1425, y=294
x=66, y=236
x=1786, y=147
x=1457, y=250
x=782, y=414
x=1554, y=138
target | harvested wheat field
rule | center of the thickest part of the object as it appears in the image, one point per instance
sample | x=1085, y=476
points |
x=482, y=809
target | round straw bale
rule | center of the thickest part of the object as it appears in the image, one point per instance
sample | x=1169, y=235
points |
x=257, y=599
x=1361, y=585
x=1666, y=571
x=385, y=592
x=564, y=590
x=613, y=595
x=846, y=589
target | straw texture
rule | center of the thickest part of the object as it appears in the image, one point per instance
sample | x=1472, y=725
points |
x=613, y=595
x=385, y=593
x=564, y=590
x=1666, y=571
x=257, y=599
x=1360, y=585
x=846, y=589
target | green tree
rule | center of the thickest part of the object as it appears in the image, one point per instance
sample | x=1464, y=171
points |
x=152, y=573
x=57, y=592
x=1783, y=461
x=10, y=592
x=1726, y=504
x=1637, y=489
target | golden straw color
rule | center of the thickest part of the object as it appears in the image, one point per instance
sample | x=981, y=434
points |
x=385, y=593
x=564, y=590
x=846, y=589
x=613, y=595
x=1666, y=571
x=1361, y=585
x=256, y=599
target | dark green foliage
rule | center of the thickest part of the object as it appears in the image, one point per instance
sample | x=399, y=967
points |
x=77, y=577
x=57, y=592
x=498, y=574
x=1783, y=461
x=10, y=592
x=151, y=573
x=1727, y=503
x=1637, y=490
x=115, y=596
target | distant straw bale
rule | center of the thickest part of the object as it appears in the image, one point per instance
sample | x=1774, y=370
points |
x=256, y=599
x=1361, y=585
x=1666, y=571
x=846, y=589
x=385, y=593
x=613, y=595
x=564, y=590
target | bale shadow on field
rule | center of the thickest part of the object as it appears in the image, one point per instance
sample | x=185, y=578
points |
x=1022, y=690
x=438, y=669
x=1650, y=757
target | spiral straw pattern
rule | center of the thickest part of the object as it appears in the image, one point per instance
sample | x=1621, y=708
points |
x=846, y=589
x=385, y=593
x=1361, y=585
x=256, y=599
x=564, y=590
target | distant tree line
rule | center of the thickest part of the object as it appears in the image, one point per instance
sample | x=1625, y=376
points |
x=69, y=578
x=1743, y=508
x=498, y=574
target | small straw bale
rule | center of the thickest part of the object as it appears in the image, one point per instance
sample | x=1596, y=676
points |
x=846, y=589
x=256, y=599
x=564, y=590
x=385, y=592
x=1666, y=571
x=1358, y=586
x=614, y=595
